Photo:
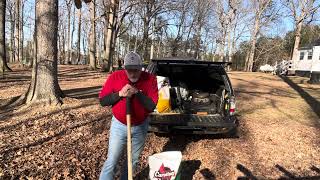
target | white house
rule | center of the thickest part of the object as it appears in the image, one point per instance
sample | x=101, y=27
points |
x=308, y=62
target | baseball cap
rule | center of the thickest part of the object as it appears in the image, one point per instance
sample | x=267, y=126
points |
x=132, y=61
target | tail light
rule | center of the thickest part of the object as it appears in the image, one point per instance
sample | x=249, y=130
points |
x=232, y=109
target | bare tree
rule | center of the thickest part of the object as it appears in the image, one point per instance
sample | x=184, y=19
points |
x=3, y=57
x=61, y=36
x=202, y=10
x=44, y=87
x=232, y=15
x=111, y=13
x=180, y=16
x=10, y=10
x=63, y=44
x=78, y=4
x=147, y=13
x=263, y=14
x=137, y=35
x=21, y=36
x=17, y=30
x=72, y=33
x=225, y=12
x=237, y=29
x=148, y=10
x=113, y=23
x=301, y=11
x=79, y=36
x=85, y=36
x=69, y=40
x=92, y=37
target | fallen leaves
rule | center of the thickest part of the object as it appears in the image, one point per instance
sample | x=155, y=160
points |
x=70, y=142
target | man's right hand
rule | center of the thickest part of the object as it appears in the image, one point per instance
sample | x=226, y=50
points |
x=127, y=91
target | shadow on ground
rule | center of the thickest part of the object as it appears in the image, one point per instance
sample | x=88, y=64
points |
x=179, y=142
x=287, y=175
x=83, y=93
x=313, y=103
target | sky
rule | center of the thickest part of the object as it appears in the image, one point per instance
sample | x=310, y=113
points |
x=276, y=30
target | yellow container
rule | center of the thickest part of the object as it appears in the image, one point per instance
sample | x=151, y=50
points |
x=163, y=105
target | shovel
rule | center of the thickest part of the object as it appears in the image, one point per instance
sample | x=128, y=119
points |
x=129, y=147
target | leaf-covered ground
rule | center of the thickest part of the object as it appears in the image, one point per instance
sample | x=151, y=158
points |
x=279, y=132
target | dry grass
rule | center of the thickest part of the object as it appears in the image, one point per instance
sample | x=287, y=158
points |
x=279, y=132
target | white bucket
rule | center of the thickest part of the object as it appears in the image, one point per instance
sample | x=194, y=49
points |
x=165, y=165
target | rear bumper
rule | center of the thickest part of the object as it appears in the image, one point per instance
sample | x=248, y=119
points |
x=191, y=123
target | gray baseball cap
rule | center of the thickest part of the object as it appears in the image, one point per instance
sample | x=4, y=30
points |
x=133, y=61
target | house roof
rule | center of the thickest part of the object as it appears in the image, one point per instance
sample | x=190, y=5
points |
x=309, y=46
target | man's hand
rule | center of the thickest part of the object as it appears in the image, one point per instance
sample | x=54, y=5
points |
x=128, y=91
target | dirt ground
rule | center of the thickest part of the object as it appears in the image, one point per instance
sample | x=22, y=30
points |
x=279, y=132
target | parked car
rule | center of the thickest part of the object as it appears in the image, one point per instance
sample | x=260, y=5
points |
x=202, y=100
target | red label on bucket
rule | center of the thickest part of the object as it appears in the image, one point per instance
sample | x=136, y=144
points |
x=164, y=173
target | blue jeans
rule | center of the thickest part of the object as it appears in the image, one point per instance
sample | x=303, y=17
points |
x=117, y=143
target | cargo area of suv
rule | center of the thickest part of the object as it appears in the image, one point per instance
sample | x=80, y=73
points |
x=200, y=96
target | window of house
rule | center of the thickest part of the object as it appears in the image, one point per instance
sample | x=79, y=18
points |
x=310, y=55
x=301, y=55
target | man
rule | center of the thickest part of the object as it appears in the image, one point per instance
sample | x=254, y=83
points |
x=141, y=88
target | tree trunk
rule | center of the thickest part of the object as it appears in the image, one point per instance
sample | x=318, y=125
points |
x=117, y=48
x=174, y=46
x=159, y=46
x=297, y=37
x=34, y=50
x=222, y=45
x=92, y=52
x=107, y=45
x=145, y=39
x=98, y=49
x=229, y=59
x=178, y=38
x=59, y=45
x=137, y=35
x=250, y=59
x=12, y=36
x=198, y=43
x=213, y=51
x=188, y=37
x=128, y=47
x=79, y=36
x=44, y=86
x=229, y=46
x=67, y=61
x=17, y=30
x=72, y=32
x=3, y=58
x=233, y=47
x=109, y=37
x=21, y=33
x=153, y=38
x=85, y=57
x=63, y=46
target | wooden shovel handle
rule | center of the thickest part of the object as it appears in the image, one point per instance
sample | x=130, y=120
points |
x=129, y=146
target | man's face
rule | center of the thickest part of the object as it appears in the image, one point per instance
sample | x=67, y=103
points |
x=133, y=74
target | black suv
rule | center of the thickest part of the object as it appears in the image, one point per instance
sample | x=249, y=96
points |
x=201, y=97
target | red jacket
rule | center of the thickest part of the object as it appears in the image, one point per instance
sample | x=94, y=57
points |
x=147, y=83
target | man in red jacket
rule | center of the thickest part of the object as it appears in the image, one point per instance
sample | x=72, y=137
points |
x=141, y=88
